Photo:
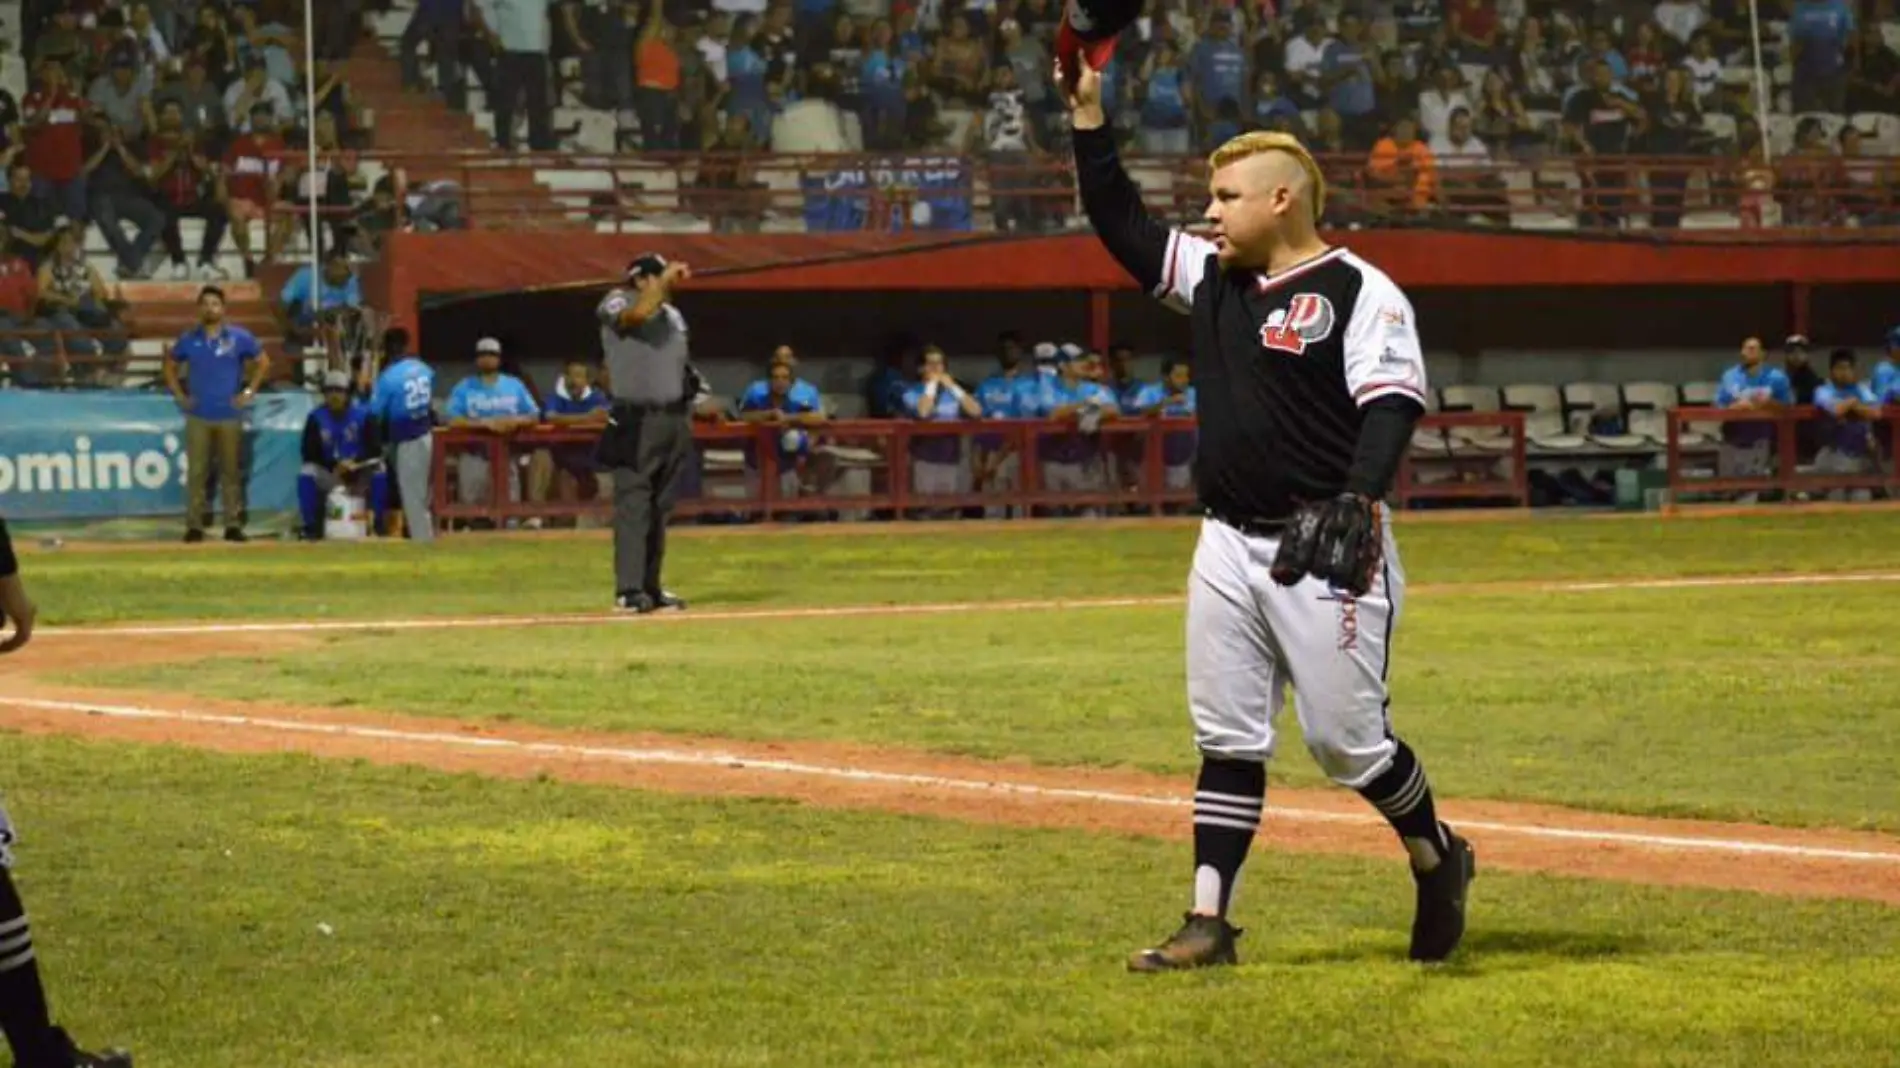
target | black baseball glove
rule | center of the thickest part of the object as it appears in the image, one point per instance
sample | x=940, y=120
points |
x=1336, y=541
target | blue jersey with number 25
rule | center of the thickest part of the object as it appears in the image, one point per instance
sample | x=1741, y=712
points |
x=403, y=396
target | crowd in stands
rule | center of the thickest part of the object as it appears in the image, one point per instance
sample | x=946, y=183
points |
x=1411, y=98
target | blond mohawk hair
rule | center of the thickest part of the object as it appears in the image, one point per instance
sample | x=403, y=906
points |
x=1261, y=142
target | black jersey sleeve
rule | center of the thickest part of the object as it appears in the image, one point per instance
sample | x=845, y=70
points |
x=1166, y=262
x=1384, y=435
x=8, y=564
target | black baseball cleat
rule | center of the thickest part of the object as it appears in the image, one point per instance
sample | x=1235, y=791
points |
x=194, y=536
x=633, y=601
x=667, y=602
x=236, y=534
x=1201, y=941
x=1439, y=924
x=79, y=1058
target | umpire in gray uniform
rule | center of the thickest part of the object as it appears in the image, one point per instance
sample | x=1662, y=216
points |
x=648, y=439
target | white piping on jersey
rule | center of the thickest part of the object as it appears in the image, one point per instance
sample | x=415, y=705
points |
x=1266, y=281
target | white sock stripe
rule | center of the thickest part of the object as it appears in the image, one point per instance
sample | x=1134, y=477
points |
x=15, y=943
x=23, y=959
x=1223, y=821
x=15, y=924
x=1410, y=784
x=1406, y=799
x=1226, y=810
x=1241, y=800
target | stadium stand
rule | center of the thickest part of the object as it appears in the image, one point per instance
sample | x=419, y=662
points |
x=739, y=116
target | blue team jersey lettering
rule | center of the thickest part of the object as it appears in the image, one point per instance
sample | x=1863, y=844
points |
x=403, y=397
x=1766, y=384
x=506, y=398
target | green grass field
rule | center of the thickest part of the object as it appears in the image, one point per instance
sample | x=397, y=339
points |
x=532, y=923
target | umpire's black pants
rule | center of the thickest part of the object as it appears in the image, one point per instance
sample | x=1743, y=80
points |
x=646, y=447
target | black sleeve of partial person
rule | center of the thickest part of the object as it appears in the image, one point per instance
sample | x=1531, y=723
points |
x=9, y=565
x=1113, y=204
x=1384, y=435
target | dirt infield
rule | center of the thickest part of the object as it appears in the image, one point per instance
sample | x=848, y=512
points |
x=1537, y=838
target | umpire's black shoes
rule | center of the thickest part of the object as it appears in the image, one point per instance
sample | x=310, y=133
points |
x=236, y=534
x=194, y=536
x=667, y=602
x=633, y=601
x=79, y=1058
x=1201, y=941
x=1439, y=924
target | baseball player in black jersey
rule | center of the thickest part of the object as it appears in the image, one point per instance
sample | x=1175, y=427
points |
x=1310, y=379
x=24, y=1018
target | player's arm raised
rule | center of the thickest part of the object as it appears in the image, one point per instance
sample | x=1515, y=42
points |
x=1168, y=263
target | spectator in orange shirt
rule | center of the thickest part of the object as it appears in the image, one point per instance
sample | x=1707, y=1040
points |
x=1402, y=165
x=656, y=83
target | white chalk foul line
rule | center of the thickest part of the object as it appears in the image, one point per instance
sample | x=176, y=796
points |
x=1657, y=842
x=873, y=610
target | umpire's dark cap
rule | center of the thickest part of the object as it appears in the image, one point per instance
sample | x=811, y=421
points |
x=650, y=265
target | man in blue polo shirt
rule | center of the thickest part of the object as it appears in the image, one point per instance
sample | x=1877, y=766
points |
x=223, y=367
x=404, y=402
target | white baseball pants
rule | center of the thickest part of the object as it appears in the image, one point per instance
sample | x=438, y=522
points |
x=1249, y=639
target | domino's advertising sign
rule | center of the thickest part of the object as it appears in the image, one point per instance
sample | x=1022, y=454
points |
x=112, y=453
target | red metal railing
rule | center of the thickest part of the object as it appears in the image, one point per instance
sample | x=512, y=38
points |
x=518, y=190
x=1127, y=457
x=1786, y=475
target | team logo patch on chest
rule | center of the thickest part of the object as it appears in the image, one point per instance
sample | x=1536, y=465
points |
x=1307, y=319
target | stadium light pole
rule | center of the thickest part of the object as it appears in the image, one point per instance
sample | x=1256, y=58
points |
x=1761, y=81
x=310, y=149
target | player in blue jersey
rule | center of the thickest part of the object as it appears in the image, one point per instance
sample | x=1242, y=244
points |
x=1013, y=392
x=936, y=460
x=796, y=408
x=341, y=447
x=493, y=401
x=403, y=402
x=1748, y=447
x=1848, y=408
x=571, y=472
x=1072, y=462
x=1171, y=398
x=1886, y=376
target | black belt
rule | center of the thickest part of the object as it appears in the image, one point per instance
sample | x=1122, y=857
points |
x=1253, y=527
x=677, y=407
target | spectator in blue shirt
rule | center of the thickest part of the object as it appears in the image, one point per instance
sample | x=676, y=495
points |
x=1348, y=71
x=1747, y=447
x=1846, y=409
x=337, y=287
x=1270, y=105
x=569, y=469
x=491, y=401
x=1819, y=32
x=1166, y=106
x=223, y=367
x=1219, y=67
